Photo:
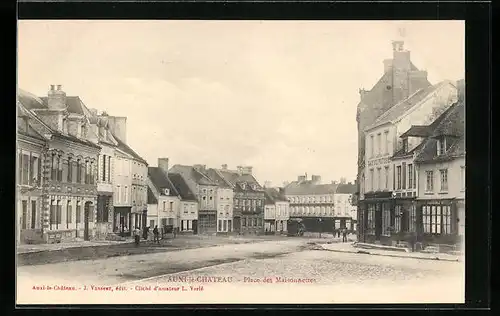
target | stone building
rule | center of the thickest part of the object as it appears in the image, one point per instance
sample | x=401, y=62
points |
x=31, y=151
x=400, y=79
x=312, y=202
x=189, y=205
x=167, y=198
x=225, y=200
x=276, y=212
x=205, y=191
x=69, y=192
x=383, y=177
x=345, y=212
x=249, y=199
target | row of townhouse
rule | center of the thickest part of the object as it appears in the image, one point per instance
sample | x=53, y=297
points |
x=411, y=169
x=200, y=200
x=77, y=177
x=322, y=207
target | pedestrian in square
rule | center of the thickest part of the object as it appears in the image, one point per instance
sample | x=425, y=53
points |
x=156, y=234
x=344, y=235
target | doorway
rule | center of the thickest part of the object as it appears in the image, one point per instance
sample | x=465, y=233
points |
x=195, y=226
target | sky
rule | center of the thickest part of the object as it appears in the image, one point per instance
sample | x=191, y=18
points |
x=280, y=96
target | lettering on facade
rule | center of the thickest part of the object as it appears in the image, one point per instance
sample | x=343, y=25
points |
x=380, y=161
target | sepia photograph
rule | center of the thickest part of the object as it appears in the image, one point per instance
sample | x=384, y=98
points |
x=240, y=162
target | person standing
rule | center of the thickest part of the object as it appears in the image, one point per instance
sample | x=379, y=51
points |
x=156, y=234
x=344, y=235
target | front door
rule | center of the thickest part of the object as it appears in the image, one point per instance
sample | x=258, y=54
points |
x=86, y=235
x=195, y=227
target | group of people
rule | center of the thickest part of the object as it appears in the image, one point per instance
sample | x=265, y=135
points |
x=344, y=233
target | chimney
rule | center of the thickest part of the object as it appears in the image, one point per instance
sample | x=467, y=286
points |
x=200, y=168
x=387, y=65
x=163, y=164
x=362, y=93
x=301, y=178
x=239, y=169
x=56, y=98
x=316, y=179
x=418, y=78
x=224, y=167
x=118, y=126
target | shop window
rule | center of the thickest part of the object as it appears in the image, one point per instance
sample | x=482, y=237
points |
x=370, y=227
x=386, y=219
x=436, y=219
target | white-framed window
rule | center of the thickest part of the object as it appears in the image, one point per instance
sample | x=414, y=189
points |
x=164, y=208
x=436, y=219
x=462, y=177
x=386, y=170
x=429, y=186
x=386, y=142
x=386, y=219
x=444, y=179
x=398, y=177
x=370, y=228
x=379, y=150
x=410, y=176
x=379, y=178
x=372, y=146
x=441, y=146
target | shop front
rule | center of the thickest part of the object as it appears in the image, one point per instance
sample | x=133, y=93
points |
x=122, y=220
x=374, y=218
x=440, y=222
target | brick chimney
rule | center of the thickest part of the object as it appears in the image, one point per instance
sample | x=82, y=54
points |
x=163, y=164
x=56, y=99
x=118, y=126
x=224, y=167
x=316, y=179
x=301, y=178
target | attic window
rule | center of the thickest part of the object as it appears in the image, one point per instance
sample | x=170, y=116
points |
x=405, y=145
x=243, y=186
x=441, y=146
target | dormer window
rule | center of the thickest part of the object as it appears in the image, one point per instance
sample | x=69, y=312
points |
x=166, y=191
x=441, y=146
x=405, y=145
x=243, y=185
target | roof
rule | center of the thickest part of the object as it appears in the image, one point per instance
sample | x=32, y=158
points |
x=273, y=196
x=346, y=188
x=235, y=179
x=181, y=187
x=74, y=104
x=426, y=131
x=217, y=178
x=161, y=181
x=307, y=187
x=151, y=197
x=192, y=174
x=417, y=131
x=125, y=148
x=405, y=105
x=451, y=125
x=27, y=130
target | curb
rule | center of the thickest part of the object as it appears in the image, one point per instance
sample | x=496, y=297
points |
x=389, y=255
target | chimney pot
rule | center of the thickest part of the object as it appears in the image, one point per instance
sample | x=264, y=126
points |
x=58, y=87
x=224, y=167
x=52, y=87
x=163, y=164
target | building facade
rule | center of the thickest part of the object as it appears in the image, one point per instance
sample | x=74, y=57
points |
x=31, y=151
x=69, y=167
x=189, y=205
x=400, y=79
x=224, y=202
x=345, y=212
x=168, y=199
x=206, y=193
x=383, y=141
x=312, y=202
x=276, y=213
x=249, y=200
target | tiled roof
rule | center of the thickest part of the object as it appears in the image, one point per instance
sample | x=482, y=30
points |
x=193, y=175
x=161, y=181
x=217, y=178
x=74, y=104
x=346, y=188
x=273, y=196
x=236, y=179
x=307, y=187
x=451, y=125
x=151, y=197
x=21, y=129
x=125, y=148
x=417, y=131
x=181, y=187
x=402, y=107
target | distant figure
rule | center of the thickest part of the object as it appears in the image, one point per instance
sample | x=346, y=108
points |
x=137, y=236
x=344, y=235
x=145, y=234
x=156, y=234
x=175, y=232
x=338, y=233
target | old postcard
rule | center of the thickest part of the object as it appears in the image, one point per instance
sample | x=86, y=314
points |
x=172, y=162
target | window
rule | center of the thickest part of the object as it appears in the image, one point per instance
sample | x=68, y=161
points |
x=371, y=179
x=386, y=177
x=33, y=214
x=413, y=219
x=78, y=216
x=25, y=169
x=24, y=219
x=109, y=169
x=103, y=168
x=370, y=227
x=69, y=213
x=372, y=145
x=379, y=151
x=444, y=180
x=69, y=179
x=430, y=181
x=220, y=225
x=410, y=176
x=59, y=213
x=398, y=173
x=379, y=179
x=462, y=177
x=403, y=175
x=386, y=142
x=244, y=222
x=405, y=145
x=441, y=146
x=126, y=194
x=386, y=219
x=171, y=206
x=436, y=219
x=397, y=218
x=54, y=167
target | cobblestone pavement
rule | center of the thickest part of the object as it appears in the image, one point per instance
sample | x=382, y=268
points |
x=327, y=277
